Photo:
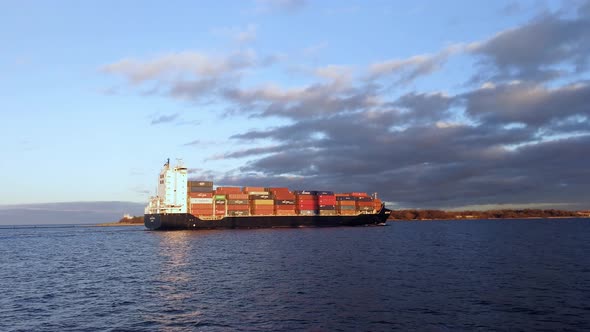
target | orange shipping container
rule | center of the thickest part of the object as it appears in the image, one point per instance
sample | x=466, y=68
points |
x=256, y=202
x=285, y=212
x=250, y=189
x=237, y=196
x=201, y=206
x=238, y=207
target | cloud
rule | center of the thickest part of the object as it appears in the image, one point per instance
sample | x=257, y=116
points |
x=529, y=104
x=404, y=71
x=517, y=138
x=165, y=118
x=286, y=6
x=187, y=75
x=424, y=107
x=545, y=48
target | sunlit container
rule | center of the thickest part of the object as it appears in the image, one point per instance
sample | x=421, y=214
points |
x=237, y=196
x=327, y=212
x=236, y=213
x=237, y=201
x=260, y=196
x=284, y=202
x=198, y=183
x=306, y=212
x=228, y=190
x=253, y=189
x=262, y=202
x=200, y=194
x=200, y=189
x=201, y=200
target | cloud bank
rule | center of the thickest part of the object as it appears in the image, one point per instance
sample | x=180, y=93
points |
x=517, y=134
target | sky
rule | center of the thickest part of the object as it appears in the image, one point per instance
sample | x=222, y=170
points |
x=432, y=104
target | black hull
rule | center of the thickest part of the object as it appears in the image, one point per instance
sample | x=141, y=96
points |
x=186, y=221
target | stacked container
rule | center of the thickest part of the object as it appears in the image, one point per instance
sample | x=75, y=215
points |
x=203, y=201
x=326, y=203
x=364, y=204
x=261, y=203
x=345, y=204
x=284, y=201
x=306, y=203
x=220, y=205
x=237, y=204
x=200, y=198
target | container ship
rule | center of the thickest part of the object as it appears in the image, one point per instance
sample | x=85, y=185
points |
x=181, y=204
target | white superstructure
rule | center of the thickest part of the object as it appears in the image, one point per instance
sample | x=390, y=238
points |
x=172, y=191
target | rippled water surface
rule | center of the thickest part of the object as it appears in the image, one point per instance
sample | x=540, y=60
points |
x=447, y=275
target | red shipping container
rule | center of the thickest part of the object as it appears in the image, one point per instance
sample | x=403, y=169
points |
x=284, y=207
x=349, y=203
x=359, y=194
x=364, y=203
x=228, y=190
x=327, y=201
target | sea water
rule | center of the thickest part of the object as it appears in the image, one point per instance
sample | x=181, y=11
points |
x=435, y=275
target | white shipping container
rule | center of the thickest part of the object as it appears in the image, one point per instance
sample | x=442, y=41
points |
x=201, y=200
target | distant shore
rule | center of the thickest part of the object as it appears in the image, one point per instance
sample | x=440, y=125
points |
x=425, y=215
x=432, y=215
x=126, y=221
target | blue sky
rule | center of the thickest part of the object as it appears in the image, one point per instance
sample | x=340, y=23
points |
x=432, y=104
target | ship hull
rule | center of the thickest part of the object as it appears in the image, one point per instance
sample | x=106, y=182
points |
x=186, y=221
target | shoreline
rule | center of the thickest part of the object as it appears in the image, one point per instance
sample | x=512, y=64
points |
x=511, y=218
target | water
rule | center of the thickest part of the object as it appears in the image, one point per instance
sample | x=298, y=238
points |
x=437, y=276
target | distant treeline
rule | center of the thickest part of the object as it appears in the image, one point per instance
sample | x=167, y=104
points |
x=491, y=214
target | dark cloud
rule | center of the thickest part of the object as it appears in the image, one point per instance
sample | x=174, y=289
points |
x=312, y=101
x=422, y=107
x=517, y=139
x=543, y=49
x=528, y=104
